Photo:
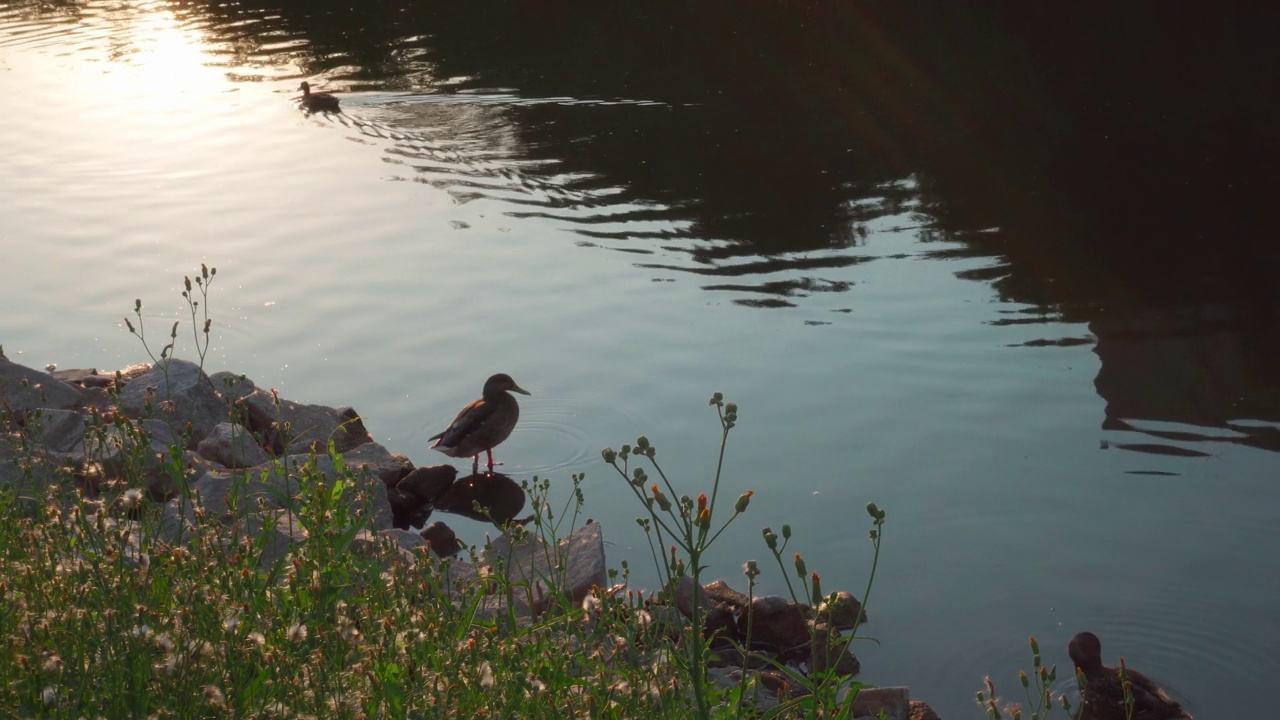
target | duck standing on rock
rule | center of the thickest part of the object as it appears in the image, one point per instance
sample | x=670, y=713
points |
x=483, y=424
x=1102, y=692
x=317, y=101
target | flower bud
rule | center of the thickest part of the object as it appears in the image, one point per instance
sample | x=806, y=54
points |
x=743, y=500
x=610, y=456
x=704, y=519
x=770, y=539
x=801, y=570
x=786, y=532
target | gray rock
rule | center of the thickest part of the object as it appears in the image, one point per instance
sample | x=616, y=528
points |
x=60, y=430
x=232, y=446
x=294, y=427
x=182, y=394
x=540, y=572
x=23, y=389
x=231, y=385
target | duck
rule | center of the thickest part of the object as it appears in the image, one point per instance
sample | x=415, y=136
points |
x=317, y=101
x=1102, y=692
x=483, y=424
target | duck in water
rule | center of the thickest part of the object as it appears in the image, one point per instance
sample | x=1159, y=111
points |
x=483, y=424
x=1102, y=692
x=317, y=101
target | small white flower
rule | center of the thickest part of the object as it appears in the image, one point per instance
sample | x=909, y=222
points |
x=131, y=499
x=486, y=676
x=257, y=638
x=297, y=633
x=50, y=696
x=164, y=642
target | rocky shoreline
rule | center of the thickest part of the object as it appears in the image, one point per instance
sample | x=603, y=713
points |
x=71, y=428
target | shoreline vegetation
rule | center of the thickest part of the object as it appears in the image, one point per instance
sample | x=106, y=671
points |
x=165, y=554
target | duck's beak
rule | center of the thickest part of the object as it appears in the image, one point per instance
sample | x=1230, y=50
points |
x=517, y=388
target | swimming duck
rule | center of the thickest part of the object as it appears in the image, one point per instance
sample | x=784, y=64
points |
x=484, y=423
x=317, y=101
x=1102, y=693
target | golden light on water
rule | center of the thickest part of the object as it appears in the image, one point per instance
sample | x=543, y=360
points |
x=156, y=62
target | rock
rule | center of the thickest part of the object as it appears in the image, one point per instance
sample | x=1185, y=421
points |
x=84, y=377
x=832, y=653
x=894, y=701
x=442, y=540
x=293, y=428
x=179, y=393
x=231, y=386
x=407, y=512
x=776, y=623
x=918, y=710
x=842, y=612
x=720, y=592
x=232, y=446
x=23, y=389
x=499, y=494
x=58, y=430
x=426, y=484
x=571, y=569
x=684, y=597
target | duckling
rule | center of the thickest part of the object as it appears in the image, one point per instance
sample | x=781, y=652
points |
x=484, y=423
x=1102, y=692
x=317, y=101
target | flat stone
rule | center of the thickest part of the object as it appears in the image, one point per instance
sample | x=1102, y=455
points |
x=894, y=701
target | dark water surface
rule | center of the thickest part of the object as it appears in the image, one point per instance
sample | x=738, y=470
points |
x=1010, y=274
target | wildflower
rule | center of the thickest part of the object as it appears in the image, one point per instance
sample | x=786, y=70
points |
x=297, y=633
x=743, y=500
x=257, y=638
x=49, y=695
x=131, y=499
x=164, y=642
x=231, y=622
x=486, y=676
x=53, y=664
x=213, y=695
